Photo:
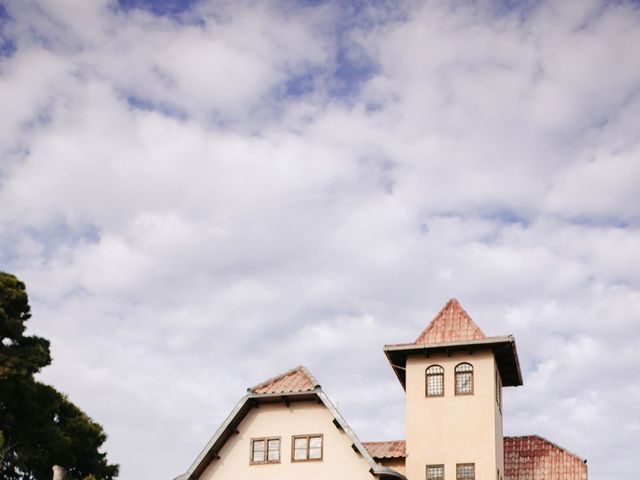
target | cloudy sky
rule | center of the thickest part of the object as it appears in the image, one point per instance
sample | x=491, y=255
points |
x=200, y=195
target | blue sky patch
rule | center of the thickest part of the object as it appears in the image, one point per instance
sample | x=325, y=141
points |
x=140, y=103
x=7, y=44
x=302, y=84
x=351, y=72
x=159, y=7
x=51, y=237
x=507, y=216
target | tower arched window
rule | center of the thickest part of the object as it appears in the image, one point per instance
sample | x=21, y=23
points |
x=464, y=379
x=435, y=381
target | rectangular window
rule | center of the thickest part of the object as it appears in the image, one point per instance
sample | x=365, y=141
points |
x=306, y=447
x=464, y=379
x=265, y=450
x=465, y=471
x=435, y=472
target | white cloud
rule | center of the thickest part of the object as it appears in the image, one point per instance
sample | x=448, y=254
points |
x=184, y=244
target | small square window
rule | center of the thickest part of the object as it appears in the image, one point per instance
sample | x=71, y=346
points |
x=465, y=471
x=265, y=450
x=435, y=472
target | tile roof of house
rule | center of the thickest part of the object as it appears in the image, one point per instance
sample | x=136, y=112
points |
x=534, y=458
x=388, y=449
x=298, y=379
x=451, y=324
x=525, y=458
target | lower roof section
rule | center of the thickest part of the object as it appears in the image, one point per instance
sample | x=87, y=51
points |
x=386, y=449
x=530, y=457
x=535, y=458
x=504, y=349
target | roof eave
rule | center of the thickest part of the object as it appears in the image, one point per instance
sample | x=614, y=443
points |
x=509, y=366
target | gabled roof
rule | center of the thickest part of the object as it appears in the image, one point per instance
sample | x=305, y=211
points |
x=451, y=324
x=289, y=386
x=387, y=449
x=298, y=379
x=535, y=458
x=453, y=330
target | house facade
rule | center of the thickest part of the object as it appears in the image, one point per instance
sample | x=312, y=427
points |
x=453, y=374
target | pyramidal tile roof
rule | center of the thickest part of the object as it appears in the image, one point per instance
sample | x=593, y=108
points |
x=298, y=379
x=451, y=324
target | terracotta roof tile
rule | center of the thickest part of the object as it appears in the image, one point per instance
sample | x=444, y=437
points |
x=451, y=324
x=297, y=379
x=535, y=458
x=388, y=449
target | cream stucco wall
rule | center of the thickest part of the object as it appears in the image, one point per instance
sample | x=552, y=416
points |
x=340, y=461
x=453, y=429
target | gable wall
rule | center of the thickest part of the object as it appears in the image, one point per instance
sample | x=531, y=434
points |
x=278, y=420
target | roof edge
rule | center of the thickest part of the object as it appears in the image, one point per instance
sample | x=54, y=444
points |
x=376, y=468
x=397, y=354
x=211, y=443
x=396, y=347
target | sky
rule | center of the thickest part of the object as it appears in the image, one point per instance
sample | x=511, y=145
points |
x=200, y=195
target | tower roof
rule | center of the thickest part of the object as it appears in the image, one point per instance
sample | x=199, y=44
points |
x=451, y=324
x=453, y=330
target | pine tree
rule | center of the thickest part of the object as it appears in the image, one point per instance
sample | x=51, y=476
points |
x=39, y=426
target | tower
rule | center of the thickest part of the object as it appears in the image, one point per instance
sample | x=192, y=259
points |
x=453, y=376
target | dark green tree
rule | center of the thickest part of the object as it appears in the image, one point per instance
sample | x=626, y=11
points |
x=39, y=426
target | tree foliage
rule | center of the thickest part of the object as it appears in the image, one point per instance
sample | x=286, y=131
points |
x=39, y=426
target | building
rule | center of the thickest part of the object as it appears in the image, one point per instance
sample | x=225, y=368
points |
x=453, y=374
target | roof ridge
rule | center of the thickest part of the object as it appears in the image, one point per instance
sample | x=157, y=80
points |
x=451, y=323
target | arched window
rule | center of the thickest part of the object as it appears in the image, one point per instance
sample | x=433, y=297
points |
x=464, y=379
x=435, y=381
